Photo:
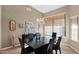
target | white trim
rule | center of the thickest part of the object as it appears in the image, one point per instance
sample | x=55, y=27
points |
x=10, y=47
x=6, y=48
x=17, y=45
x=77, y=51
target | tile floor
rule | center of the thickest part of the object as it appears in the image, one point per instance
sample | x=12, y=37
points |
x=65, y=50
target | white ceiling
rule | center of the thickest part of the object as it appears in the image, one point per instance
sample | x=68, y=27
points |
x=46, y=8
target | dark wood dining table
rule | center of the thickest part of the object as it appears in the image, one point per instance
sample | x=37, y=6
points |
x=38, y=43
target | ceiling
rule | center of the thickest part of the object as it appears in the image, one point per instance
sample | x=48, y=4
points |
x=46, y=8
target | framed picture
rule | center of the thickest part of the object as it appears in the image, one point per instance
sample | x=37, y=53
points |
x=20, y=25
x=12, y=25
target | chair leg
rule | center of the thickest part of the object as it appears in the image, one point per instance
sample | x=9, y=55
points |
x=56, y=51
x=22, y=51
x=52, y=51
x=60, y=51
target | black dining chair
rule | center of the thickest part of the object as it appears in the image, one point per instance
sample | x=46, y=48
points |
x=22, y=46
x=50, y=45
x=37, y=35
x=24, y=38
x=57, y=45
x=54, y=34
x=30, y=37
x=26, y=50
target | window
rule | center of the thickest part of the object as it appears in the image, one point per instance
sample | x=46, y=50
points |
x=74, y=29
x=59, y=27
x=74, y=32
x=48, y=30
x=59, y=30
x=55, y=24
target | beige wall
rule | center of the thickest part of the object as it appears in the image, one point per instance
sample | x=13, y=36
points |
x=0, y=26
x=20, y=15
x=74, y=10
x=69, y=11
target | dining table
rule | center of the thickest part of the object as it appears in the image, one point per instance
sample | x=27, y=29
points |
x=38, y=43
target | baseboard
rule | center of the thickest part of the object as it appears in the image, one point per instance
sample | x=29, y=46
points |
x=17, y=45
x=77, y=51
x=9, y=47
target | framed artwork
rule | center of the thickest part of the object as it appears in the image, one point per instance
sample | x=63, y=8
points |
x=20, y=25
x=12, y=25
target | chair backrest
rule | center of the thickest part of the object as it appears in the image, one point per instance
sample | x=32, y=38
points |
x=38, y=35
x=54, y=35
x=58, y=42
x=30, y=36
x=22, y=46
x=51, y=41
x=24, y=37
x=49, y=49
x=27, y=37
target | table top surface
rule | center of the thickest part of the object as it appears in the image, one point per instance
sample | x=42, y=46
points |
x=38, y=43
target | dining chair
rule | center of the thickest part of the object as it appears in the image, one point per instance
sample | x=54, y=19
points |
x=24, y=38
x=50, y=45
x=27, y=37
x=37, y=35
x=57, y=45
x=42, y=50
x=54, y=34
x=30, y=37
x=26, y=50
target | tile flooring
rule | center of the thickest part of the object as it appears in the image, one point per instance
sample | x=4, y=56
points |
x=65, y=50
